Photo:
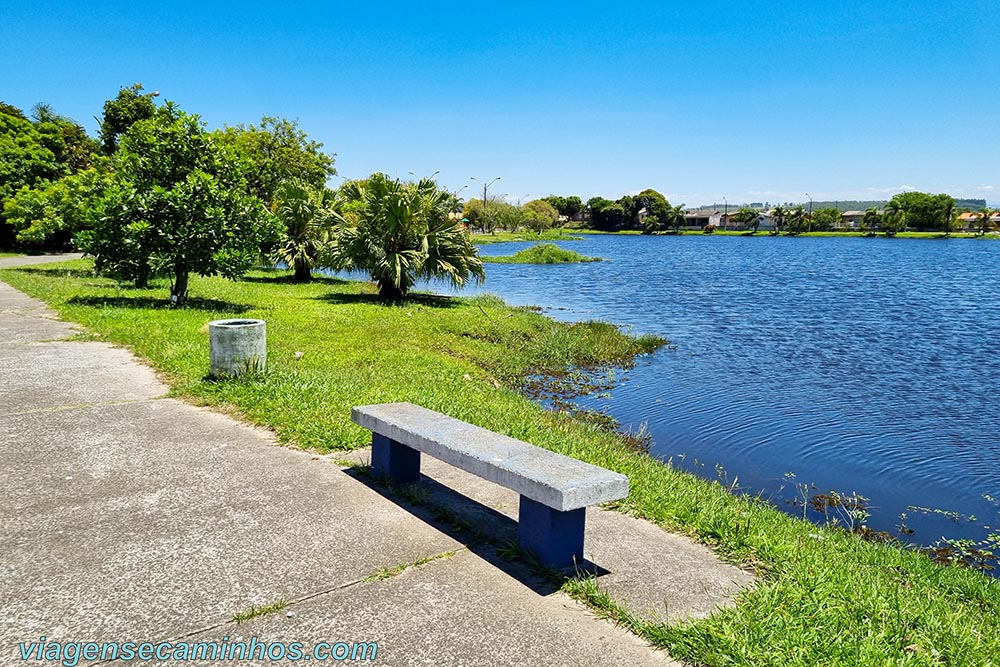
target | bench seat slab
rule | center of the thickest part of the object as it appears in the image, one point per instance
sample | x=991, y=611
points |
x=550, y=478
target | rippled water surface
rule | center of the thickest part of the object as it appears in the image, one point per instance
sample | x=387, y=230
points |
x=858, y=365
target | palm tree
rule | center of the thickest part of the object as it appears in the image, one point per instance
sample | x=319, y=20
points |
x=893, y=219
x=675, y=217
x=948, y=216
x=778, y=215
x=871, y=221
x=307, y=215
x=985, y=221
x=796, y=218
x=749, y=217
x=399, y=232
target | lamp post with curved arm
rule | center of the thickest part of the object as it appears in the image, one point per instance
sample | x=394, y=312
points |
x=485, y=188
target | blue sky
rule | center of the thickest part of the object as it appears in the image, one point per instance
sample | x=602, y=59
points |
x=754, y=101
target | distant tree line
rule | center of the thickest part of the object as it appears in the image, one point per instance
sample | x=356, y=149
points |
x=158, y=195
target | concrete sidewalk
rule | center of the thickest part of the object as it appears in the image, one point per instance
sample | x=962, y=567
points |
x=126, y=516
x=30, y=260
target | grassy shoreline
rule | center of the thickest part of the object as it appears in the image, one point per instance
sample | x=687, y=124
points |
x=825, y=597
x=507, y=237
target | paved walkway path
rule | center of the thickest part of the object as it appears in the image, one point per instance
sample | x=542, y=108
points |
x=28, y=260
x=127, y=516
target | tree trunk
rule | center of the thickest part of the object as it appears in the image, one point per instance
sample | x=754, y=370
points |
x=303, y=272
x=388, y=291
x=178, y=294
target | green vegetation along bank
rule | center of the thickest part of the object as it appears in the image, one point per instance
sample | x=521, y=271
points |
x=506, y=237
x=542, y=253
x=825, y=597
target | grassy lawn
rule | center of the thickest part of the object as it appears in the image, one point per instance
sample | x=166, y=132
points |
x=542, y=253
x=5, y=253
x=825, y=597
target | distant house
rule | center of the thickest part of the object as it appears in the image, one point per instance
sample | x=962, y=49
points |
x=973, y=221
x=697, y=219
x=851, y=219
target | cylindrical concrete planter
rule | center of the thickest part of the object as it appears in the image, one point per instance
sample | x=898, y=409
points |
x=237, y=347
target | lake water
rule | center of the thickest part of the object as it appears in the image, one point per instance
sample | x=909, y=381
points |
x=858, y=365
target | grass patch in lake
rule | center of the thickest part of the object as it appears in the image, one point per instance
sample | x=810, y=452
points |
x=542, y=253
x=825, y=597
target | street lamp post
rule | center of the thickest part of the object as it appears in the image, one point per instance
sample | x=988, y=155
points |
x=485, y=188
x=810, y=211
x=455, y=198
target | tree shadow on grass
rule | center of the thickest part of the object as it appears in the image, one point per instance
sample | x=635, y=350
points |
x=288, y=279
x=150, y=303
x=429, y=300
x=54, y=270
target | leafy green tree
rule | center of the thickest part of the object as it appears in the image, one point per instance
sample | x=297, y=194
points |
x=307, y=216
x=926, y=211
x=496, y=213
x=573, y=206
x=568, y=206
x=540, y=215
x=52, y=212
x=654, y=203
x=34, y=155
x=748, y=217
x=557, y=202
x=509, y=217
x=27, y=156
x=176, y=203
x=27, y=159
x=826, y=219
x=77, y=150
x=277, y=151
x=399, y=232
x=605, y=214
x=129, y=107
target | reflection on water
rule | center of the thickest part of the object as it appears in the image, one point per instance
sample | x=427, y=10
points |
x=865, y=365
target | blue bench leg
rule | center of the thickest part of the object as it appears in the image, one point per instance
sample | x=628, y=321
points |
x=555, y=537
x=398, y=462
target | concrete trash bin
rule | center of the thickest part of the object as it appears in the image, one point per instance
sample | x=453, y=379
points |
x=236, y=347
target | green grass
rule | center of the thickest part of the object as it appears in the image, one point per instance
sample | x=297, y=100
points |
x=824, y=597
x=542, y=253
x=4, y=253
x=255, y=612
x=505, y=237
x=384, y=573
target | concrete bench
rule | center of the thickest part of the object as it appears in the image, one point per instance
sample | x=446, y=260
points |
x=555, y=489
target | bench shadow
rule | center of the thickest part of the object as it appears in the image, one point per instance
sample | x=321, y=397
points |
x=429, y=300
x=150, y=303
x=487, y=533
